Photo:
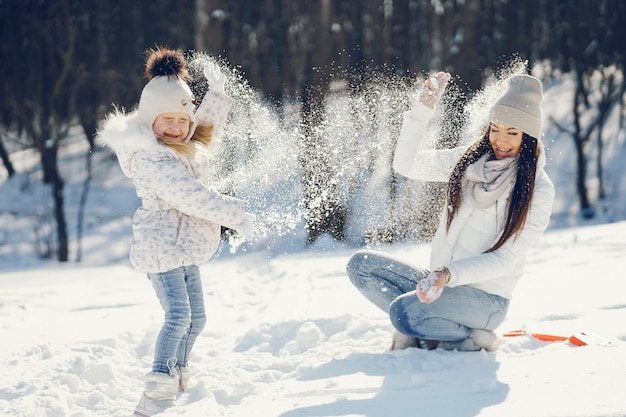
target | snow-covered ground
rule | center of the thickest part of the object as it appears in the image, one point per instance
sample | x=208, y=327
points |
x=288, y=336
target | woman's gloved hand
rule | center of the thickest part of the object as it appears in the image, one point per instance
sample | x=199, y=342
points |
x=431, y=287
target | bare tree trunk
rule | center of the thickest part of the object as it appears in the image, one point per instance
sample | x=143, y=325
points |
x=599, y=166
x=580, y=136
x=49, y=162
x=201, y=23
x=323, y=211
x=83, y=198
x=59, y=214
x=4, y=155
x=611, y=96
x=580, y=140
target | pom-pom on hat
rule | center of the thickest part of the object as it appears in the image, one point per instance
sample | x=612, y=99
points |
x=520, y=105
x=166, y=91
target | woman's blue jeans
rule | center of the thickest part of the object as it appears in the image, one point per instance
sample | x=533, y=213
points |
x=180, y=294
x=390, y=284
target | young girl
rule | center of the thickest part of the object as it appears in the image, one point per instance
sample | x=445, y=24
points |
x=179, y=222
x=499, y=201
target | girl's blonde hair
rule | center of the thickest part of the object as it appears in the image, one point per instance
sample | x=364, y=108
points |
x=203, y=135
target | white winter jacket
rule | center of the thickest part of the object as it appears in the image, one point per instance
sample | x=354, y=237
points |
x=179, y=220
x=473, y=230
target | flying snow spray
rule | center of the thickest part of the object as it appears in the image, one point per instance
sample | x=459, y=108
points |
x=259, y=156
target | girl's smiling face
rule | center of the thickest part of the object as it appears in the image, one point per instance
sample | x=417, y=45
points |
x=505, y=140
x=173, y=126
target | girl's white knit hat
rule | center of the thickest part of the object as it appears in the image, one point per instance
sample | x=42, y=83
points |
x=166, y=91
x=162, y=95
x=520, y=105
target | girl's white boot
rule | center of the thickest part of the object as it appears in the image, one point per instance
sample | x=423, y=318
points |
x=160, y=394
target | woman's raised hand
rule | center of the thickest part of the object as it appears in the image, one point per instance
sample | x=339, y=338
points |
x=433, y=88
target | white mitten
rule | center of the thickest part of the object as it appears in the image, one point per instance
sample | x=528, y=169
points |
x=247, y=230
x=427, y=291
x=214, y=77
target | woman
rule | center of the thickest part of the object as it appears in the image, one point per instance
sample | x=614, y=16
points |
x=499, y=201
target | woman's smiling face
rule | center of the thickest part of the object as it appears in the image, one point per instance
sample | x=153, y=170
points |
x=505, y=140
x=173, y=126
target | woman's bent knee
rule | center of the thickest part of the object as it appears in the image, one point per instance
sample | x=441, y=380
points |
x=356, y=266
x=403, y=321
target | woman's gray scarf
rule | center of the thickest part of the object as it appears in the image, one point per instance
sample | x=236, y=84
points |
x=486, y=180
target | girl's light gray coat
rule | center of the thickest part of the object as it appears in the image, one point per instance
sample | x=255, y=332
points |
x=180, y=218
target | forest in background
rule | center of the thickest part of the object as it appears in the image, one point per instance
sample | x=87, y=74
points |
x=64, y=63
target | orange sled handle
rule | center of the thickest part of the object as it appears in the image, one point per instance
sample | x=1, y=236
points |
x=540, y=336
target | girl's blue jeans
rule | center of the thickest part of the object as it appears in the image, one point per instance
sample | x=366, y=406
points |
x=390, y=284
x=180, y=294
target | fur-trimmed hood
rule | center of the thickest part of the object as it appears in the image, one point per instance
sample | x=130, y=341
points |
x=124, y=135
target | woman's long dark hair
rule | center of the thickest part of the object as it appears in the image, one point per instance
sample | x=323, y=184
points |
x=521, y=196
